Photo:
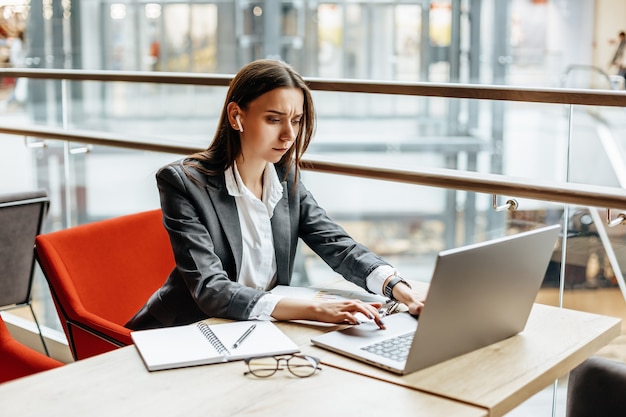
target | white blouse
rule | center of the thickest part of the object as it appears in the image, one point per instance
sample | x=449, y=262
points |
x=258, y=264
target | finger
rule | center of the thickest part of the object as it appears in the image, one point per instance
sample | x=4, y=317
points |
x=359, y=311
x=347, y=317
x=365, y=309
x=379, y=322
x=374, y=314
x=416, y=308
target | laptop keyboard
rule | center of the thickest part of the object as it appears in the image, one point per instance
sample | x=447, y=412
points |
x=395, y=348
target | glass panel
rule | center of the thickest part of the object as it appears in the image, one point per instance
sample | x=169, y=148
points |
x=101, y=183
x=408, y=225
x=179, y=113
x=128, y=188
x=596, y=252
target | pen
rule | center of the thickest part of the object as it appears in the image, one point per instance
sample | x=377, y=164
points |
x=243, y=336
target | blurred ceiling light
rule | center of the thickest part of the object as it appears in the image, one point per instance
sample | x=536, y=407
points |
x=153, y=11
x=118, y=11
x=14, y=3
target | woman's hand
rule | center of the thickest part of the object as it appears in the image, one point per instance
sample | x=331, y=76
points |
x=412, y=298
x=327, y=311
x=345, y=311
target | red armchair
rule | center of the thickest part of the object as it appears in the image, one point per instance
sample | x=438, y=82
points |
x=18, y=360
x=101, y=273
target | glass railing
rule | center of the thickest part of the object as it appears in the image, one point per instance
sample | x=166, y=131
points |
x=561, y=136
x=408, y=169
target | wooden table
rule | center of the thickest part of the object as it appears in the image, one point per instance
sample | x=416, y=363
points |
x=501, y=376
x=490, y=381
x=117, y=384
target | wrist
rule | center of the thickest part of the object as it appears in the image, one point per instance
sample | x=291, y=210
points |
x=392, y=286
x=296, y=309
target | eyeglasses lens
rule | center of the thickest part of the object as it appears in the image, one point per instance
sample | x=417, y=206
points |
x=300, y=366
x=263, y=367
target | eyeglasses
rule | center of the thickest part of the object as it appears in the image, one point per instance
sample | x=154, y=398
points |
x=301, y=366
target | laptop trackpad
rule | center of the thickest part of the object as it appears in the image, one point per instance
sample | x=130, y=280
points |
x=369, y=332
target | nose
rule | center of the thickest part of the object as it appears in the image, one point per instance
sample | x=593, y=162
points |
x=288, y=132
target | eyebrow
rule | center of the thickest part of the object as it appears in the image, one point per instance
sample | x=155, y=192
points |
x=283, y=113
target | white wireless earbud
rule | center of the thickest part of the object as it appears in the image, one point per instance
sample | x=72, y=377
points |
x=238, y=120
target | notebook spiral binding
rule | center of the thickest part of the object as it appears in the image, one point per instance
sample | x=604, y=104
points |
x=212, y=338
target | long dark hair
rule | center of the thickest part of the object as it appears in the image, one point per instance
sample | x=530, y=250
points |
x=251, y=82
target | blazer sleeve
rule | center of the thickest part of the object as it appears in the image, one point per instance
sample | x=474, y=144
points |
x=204, y=260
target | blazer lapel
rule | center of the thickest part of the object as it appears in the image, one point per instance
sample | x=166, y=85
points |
x=282, y=243
x=226, y=211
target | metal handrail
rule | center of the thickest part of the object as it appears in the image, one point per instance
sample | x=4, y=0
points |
x=448, y=90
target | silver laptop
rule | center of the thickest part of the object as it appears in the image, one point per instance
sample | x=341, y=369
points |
x=479, y=294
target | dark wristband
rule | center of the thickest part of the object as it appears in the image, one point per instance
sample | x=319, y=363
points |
x=392, y=283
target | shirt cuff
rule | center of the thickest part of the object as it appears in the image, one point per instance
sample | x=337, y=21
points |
x=377, y=277
x=263, y=309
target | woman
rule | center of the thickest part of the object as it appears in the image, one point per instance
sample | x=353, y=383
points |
x=235, y=212
x=619, y=58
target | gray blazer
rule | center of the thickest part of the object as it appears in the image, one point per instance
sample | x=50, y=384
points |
x=203, y=225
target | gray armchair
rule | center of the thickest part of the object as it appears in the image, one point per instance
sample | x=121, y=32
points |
x=21, y=219
x=597, y=387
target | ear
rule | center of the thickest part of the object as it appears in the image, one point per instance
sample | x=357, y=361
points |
x=234, y=118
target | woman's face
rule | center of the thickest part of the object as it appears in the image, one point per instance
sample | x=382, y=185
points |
x=270, y=124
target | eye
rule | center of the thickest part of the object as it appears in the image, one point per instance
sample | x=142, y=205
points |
x=273, y=119
x=296, y=121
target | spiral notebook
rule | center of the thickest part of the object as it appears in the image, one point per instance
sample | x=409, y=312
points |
x=204, y=344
